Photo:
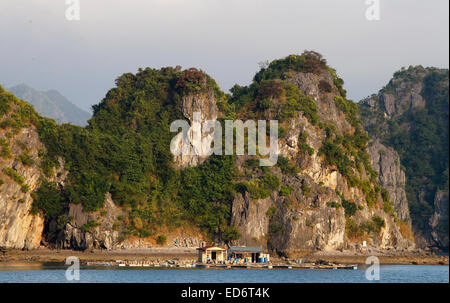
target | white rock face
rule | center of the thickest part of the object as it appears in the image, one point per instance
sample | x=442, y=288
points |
x=18, y=228
x=198, y=109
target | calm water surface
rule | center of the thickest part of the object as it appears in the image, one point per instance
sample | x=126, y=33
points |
x=47, y=273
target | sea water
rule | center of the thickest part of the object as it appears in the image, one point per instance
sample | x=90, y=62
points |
x=45, y=273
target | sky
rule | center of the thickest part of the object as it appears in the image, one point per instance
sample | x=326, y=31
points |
x=225, y=38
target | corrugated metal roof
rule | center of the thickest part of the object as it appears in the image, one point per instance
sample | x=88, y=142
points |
x=209, y=247
x=245, y=249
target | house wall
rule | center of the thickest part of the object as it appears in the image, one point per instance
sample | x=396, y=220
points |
x=252, y=257
x=204, y=255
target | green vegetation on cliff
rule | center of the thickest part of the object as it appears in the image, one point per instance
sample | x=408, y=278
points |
x=418, y=132
x=125, y=149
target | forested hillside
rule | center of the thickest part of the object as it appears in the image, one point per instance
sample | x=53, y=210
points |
x=116, y=178
x=411, y=114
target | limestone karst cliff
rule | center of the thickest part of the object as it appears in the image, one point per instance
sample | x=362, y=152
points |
x=116, y=184
x=19, y=228
x=386, y=162
x=408, y=122
x=439, y=220
x=20, y=173
x=331, y=201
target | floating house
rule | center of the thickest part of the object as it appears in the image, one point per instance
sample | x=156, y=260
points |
x=247, y=254
x=212, y=254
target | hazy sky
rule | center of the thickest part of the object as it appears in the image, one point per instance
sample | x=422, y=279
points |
x=225, y=38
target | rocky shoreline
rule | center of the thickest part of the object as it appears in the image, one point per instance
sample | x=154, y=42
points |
x=189, y=255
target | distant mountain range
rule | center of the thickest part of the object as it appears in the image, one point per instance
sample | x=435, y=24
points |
x=52, y=104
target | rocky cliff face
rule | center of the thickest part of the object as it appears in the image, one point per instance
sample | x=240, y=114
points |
x=439, y=221
x=197, y=108
x=408, y=124
x=292, y=224
x=88, y=230
x=310, y=217
x=18, y=228
x=20, y=173
x=398, y=97
x=386, y=162
x=321, y=195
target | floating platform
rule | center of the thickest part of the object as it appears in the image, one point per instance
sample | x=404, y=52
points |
x=279, y=266
x=309, y=266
